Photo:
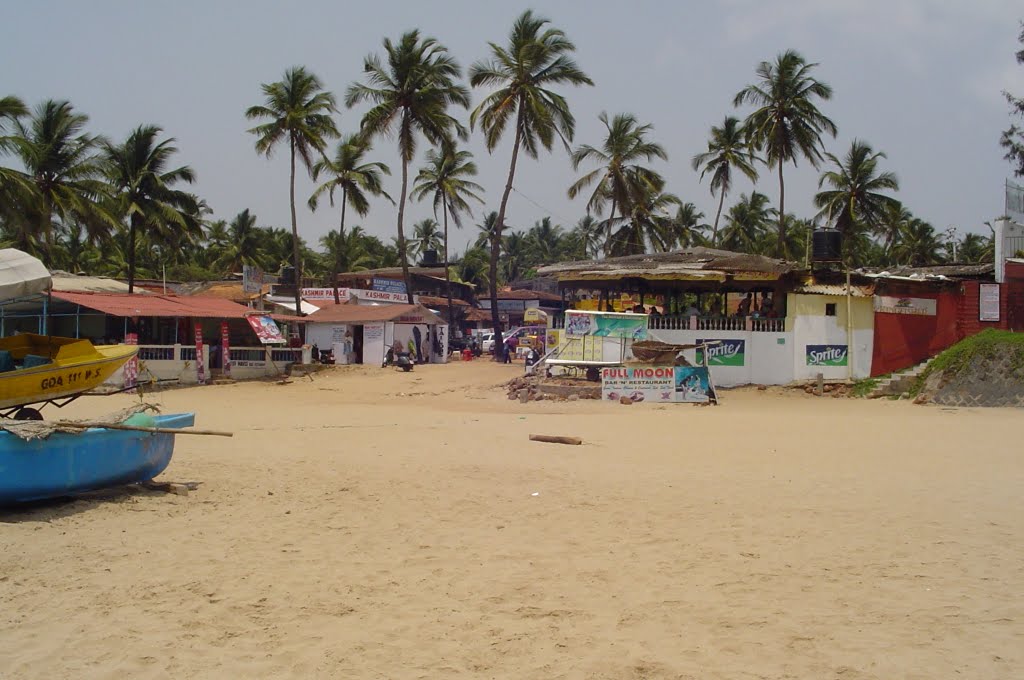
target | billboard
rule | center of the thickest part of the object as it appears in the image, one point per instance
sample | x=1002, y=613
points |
x=606, y=324
x=827, y=355
x=252, y=279
x=659, y=384
x=389, y=286
x=266, y=329
x=726, y=353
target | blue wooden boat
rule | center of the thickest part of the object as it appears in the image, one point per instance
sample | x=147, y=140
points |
x=97, y=458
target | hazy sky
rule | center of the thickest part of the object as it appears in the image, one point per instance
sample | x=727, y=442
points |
x=918, y=79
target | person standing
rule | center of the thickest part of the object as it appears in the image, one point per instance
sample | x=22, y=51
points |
x=418, y=337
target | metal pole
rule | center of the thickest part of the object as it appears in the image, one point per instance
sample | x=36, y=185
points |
x=849, y=326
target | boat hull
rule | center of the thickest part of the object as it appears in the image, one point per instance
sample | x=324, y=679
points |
x=76, y=366
x=65, y=464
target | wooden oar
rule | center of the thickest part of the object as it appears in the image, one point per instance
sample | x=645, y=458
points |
x=137, y=428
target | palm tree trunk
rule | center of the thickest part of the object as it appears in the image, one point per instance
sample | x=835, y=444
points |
x=337, y=246
x=499, y=225
x=447, y=274
x=132, y=228
x=403, y=253
x=714, y=231
x=781, y=248
x=608, y=238
x=296, y=261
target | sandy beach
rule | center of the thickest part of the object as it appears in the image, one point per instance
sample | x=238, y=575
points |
x=375, y=524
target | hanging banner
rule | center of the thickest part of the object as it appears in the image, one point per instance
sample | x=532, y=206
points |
x=606, y=324
x=131, y=367
x=266, y=329
x=225, y=350
x=200, y=368
x=725, y=353
x=827, y=355
x=988, y=302
x=659, y=384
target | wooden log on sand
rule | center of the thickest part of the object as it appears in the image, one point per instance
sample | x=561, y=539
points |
x=553, y=439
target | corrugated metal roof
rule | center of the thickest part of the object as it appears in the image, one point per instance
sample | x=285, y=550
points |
x=693, y=263
x=835, y=289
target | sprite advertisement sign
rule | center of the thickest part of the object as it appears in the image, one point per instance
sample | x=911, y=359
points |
x=726, y=353
x=827, y=355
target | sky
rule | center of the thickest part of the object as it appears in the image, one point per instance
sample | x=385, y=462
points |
x=920, y=80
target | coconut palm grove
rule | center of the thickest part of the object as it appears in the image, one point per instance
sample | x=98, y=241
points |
x=133, y=207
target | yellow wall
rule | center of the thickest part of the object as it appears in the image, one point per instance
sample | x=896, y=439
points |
x=814, y=305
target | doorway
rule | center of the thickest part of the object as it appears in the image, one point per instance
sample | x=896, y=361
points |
x=357, y=344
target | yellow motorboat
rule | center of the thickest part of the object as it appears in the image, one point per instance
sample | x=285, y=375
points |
x=36, y=369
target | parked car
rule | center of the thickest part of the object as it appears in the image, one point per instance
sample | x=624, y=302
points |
x=487, y=343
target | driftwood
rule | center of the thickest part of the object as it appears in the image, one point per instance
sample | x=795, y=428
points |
x=137, y=428
x=553, y=439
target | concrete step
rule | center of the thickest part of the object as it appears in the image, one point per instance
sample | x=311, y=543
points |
x=898, y=383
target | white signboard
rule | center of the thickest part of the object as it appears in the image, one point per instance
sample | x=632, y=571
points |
x=252, y=279
x=373, y=343
x=357, y=293
x=988, y=302
x=905, y=305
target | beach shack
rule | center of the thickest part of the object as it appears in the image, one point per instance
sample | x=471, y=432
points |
x=181, y=339
x=361, y=334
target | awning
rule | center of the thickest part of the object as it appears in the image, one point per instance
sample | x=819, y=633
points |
x=156, y=305
x=21, y=275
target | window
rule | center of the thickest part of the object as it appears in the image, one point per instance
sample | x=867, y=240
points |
x=830, y=309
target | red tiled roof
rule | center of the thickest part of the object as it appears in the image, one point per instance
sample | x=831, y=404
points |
x=345, y=313
x=433, y=301
x=116, y=304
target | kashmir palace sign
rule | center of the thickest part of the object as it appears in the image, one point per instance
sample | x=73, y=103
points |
x=358, y=293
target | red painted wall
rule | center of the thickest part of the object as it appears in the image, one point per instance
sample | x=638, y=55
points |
x=903, y=340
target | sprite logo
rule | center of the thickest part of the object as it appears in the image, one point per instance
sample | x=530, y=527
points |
x=827, y=355
x=727, y=353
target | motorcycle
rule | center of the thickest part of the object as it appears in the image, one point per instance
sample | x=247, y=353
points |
x=402, y=360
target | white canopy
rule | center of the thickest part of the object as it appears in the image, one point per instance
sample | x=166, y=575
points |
x=21, y=275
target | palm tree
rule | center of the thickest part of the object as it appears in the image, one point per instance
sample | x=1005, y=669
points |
x=410, y=94
x=746, y=224
x=61, y=160
x=974, y=249
x=545, y=242
x=487, y=229
x=535, y=59
x=445, y=178
x=14, y=186
x=426, y=235
x=516, y=256
x=354, y=178
x=587, y=234
x=918, y=245
x=473, y=266
x=786, y=124
x=686, y=229
x=891, y=223
x=624, y=146
x=727, y=149
x=855, y=201
x=647, y=222
x=244, y=244
x=143, y=190
x=346, y=251
x=298, y=112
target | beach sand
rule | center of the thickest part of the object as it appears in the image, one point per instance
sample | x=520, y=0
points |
x=375, y=524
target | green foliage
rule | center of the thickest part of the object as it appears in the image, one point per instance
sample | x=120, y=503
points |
x=1013, y=138
x=863, y=387
x=977, y=349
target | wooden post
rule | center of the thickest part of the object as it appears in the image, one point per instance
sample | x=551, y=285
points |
x=819, y=389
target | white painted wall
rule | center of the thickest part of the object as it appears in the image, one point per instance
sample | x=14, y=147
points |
x=810, y=326
x=768, y=357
